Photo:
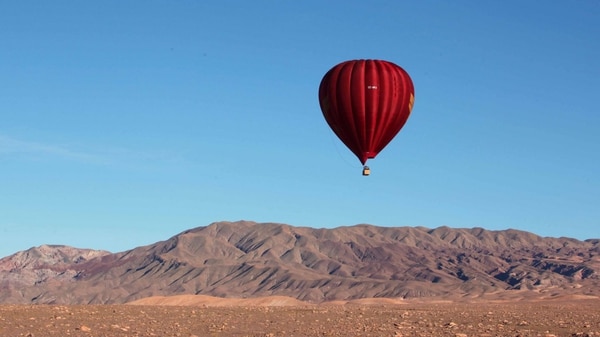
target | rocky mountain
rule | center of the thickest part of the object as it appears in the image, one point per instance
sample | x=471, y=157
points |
x=47, y=265
x=247, y=259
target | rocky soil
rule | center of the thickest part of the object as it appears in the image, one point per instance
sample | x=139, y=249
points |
x=531, y=318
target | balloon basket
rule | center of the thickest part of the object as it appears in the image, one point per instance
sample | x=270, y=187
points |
x=366, y=171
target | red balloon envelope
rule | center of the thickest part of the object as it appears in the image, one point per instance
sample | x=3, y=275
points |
x=366, y=103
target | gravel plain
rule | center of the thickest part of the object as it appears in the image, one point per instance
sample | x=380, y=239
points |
x=529, y=318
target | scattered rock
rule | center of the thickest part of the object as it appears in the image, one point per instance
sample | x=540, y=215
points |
x=84, y=328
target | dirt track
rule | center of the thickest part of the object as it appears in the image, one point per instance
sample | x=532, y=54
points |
x=554, y=318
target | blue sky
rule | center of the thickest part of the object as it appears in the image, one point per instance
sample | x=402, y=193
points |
x=123, y=123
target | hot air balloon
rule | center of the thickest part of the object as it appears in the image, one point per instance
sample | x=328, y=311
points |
x=366, y=103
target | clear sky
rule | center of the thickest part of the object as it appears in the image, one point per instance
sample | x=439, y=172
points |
x=123, y=123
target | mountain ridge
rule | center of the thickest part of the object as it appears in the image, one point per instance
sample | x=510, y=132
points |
x=249, y=259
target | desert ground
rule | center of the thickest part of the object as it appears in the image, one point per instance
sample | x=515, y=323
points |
x=287, y=317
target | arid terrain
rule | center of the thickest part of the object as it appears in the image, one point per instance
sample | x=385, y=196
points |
x=266, y=317
x=247, y=260
x=264, y=279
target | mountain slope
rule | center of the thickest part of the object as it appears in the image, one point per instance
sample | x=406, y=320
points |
x=247, y=259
